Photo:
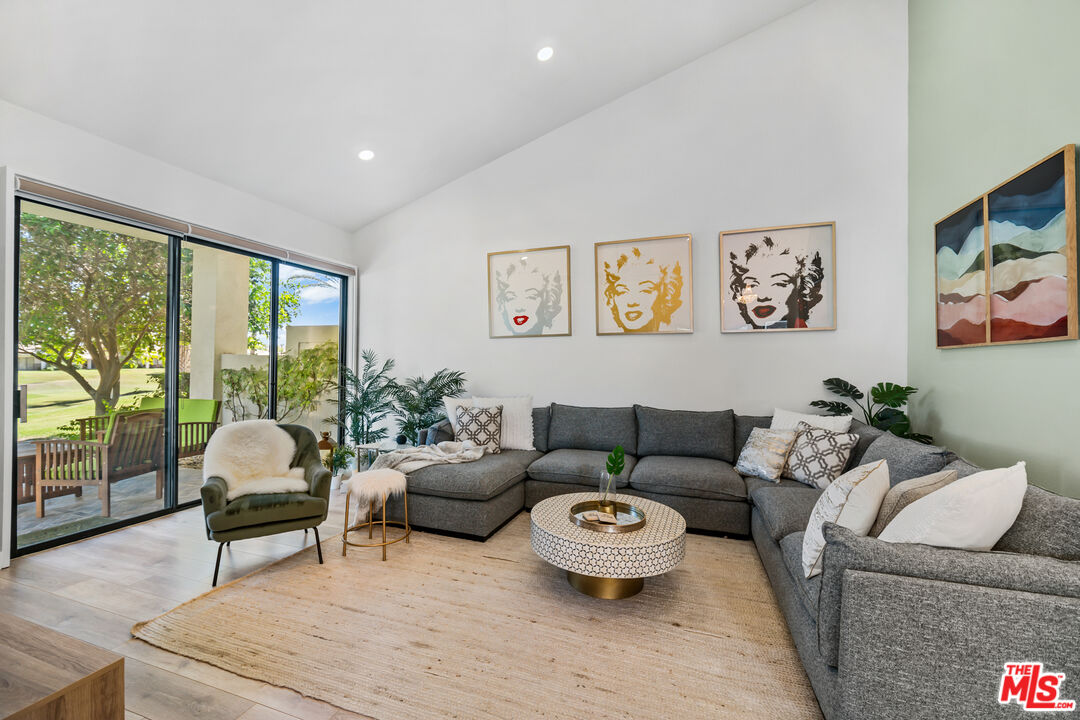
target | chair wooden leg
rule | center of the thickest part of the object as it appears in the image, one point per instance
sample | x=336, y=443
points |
x=408, y=530
x=371, y=518
x=318, y=546
x=39, y=499
x=384, y=528
x=160, y=483
x=104, y=491
x=217, y=565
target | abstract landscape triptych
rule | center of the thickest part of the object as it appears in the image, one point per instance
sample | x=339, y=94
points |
x=1006, y=263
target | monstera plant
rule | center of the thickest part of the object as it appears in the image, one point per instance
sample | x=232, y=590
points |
x=882, y=407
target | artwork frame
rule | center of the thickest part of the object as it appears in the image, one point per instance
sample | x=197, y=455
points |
x=551, y=267
x=743, y=310
x=1028, y=261
x=658, y=262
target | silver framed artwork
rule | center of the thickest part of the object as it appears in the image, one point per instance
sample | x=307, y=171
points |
x=529, y=292
x=778, y=279
x=645, y=286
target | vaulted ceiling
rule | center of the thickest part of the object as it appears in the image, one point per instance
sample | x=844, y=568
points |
x=277, y=97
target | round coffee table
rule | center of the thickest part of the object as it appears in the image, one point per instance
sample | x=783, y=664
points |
x=608, y=565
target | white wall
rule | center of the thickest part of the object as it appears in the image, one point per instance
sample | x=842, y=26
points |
x=37, y=147
x=804, y=120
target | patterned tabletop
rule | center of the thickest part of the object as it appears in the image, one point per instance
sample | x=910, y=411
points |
x=653, y=550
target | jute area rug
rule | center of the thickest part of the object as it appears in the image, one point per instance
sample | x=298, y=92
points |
x=452, y=628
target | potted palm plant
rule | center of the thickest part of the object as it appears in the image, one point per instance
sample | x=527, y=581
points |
x=368, y=400
x=418, y=401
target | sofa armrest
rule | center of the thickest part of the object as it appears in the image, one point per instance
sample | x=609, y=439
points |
x=845, y=551
x=917, y=648
x=441, y=431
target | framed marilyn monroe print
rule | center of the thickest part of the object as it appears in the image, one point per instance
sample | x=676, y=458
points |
x=529, y=292
x=779, y=278
x=645, y=286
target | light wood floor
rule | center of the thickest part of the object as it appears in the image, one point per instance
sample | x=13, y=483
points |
x=97, y=589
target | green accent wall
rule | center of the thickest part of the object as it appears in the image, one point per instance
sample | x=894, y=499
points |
x=993, y=89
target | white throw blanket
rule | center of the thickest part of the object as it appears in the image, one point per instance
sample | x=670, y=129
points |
x=445, y=453
x=252, y=457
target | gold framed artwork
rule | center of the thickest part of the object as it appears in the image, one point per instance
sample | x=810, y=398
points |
x=529, y=292
x=1005, y=264
x=778, y=279
x=645, y=286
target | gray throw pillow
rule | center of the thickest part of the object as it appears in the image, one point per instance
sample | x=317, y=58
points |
x=686, y=433
x=1048, y=525
x=907, y=459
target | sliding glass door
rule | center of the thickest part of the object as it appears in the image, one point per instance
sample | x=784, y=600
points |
x=134, y=347
x=90, y=372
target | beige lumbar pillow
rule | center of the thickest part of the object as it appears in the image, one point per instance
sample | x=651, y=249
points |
x=851, y=501
x=971, y=513
x=907, y=492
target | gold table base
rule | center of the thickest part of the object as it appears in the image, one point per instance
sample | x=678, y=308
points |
x=605, y=588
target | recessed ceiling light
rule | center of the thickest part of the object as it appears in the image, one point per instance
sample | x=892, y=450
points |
x=545, y=54
x=365, y=155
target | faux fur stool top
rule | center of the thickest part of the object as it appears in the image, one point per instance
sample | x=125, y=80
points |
x=253, y=457
x=374, y=485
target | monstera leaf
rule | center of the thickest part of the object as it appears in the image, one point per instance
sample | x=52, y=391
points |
x=832, y=407
x=893, y=420
x=616, y=461
x=890, y=394
x=843, y=388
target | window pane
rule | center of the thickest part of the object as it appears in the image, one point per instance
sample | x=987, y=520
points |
x=91, y=350
x=224, y=350
x=309, y=311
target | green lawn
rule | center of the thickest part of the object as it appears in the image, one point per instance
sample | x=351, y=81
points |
x=55, y=399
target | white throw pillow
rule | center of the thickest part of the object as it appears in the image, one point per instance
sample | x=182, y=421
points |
x=517, y=420
x=452, y=404
x=971, y=513
x=851, y=501
x=788, y=420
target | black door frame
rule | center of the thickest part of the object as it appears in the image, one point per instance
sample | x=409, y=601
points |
x=175, y=244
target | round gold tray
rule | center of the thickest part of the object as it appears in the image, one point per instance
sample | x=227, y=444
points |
x=620, y=507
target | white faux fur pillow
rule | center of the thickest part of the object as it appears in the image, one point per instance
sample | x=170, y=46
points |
x=971, y=513
x=517, y=420
x=253, y=457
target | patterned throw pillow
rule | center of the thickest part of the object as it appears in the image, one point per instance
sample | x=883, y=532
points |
x=906, y=492
x=765, y=453
x=818, y=456
x=482, y=426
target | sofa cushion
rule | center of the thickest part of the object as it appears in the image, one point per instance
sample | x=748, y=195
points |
x=744, y=425
x=541, y=420
x=577, y=467
x=785, y=509
x=248, y=510
x=1047, y=525
x=753, y=483
x=867, y=434
x=482, y=479
x=689, y=477
x=809, y=589
x=591, y=428
x=686, y=433
x=907, y=459
x=963, y=468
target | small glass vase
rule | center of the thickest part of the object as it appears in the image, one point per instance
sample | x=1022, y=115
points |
x=606, y=499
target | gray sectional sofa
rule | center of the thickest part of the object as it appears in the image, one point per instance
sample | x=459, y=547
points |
x=886, y=631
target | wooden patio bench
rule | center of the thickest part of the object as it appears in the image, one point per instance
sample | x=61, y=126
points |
x=130, y=445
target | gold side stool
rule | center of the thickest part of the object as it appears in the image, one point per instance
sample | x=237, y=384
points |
x=371, y=487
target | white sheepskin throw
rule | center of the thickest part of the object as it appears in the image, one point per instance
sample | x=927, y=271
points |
x=252, y=457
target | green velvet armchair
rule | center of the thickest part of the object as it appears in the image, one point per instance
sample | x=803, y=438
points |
x=251, y=516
